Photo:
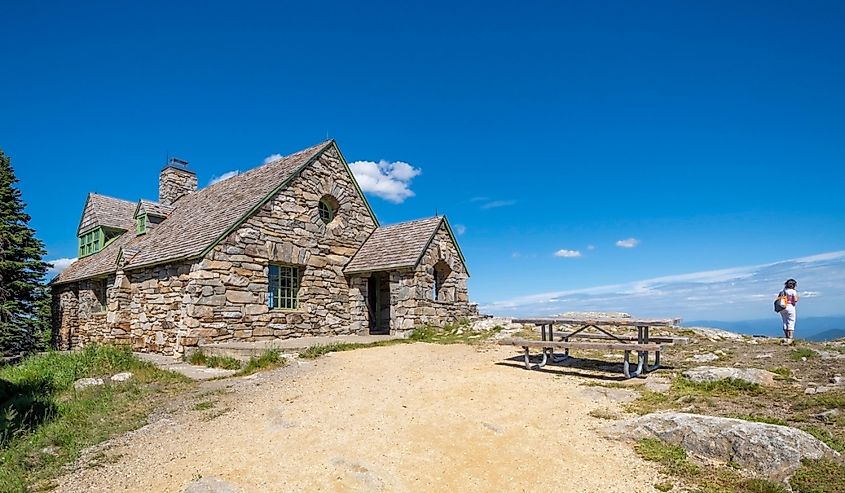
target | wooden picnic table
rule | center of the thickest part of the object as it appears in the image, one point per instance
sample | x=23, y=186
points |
x=641, y=342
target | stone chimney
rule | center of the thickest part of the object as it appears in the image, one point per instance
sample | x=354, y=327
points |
x=175, y=181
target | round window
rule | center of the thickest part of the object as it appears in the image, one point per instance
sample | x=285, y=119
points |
x=328, y=208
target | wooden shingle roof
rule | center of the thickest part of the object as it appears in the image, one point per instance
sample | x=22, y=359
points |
x=152, y=208
x=105, y=211
x=198, y=220
x=397, y=246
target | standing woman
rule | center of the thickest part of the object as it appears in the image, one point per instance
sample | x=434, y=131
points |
x=788, y=313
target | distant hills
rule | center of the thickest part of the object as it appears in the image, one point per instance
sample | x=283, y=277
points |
x=811, y=328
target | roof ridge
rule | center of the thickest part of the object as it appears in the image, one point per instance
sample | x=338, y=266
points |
x=388, y=226
x=111, y=197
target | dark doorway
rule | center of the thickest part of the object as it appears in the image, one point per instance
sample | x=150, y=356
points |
x=378, y=302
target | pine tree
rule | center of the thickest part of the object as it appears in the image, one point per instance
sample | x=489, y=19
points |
x=22, y=269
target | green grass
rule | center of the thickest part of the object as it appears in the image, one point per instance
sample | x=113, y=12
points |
x=674, y=462
x=762, y=419
x=687, y=391
x=673, y=458
x=271, y=358
x=782, y=372
x=819, y=476
x=225, y=362
x=798, y=353
x=45, y=423
x=203, y=406
x=321, y=350
x=827, y=437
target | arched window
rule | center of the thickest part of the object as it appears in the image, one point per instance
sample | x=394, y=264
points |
x=327, y=208
x=441, y=273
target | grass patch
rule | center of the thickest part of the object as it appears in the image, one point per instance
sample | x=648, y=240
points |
x=269, y=359
x=664, y=486
x=456, y=333
x=321, y=350
x=199, y=358
x=726, y=387
x=827, y=437
x=45, y=423
x=819, y=476
x=762, y=419
x=673, y=458
x=203, y=406
x=782, y=372
x=798, y=353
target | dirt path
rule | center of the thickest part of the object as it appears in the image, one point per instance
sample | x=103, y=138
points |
x=414, y=417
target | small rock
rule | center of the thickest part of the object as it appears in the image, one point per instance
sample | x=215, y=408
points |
x=210, y=484
x=837, y=380
x=704, y=374
x=827, y=416
x=809, y=391
x=822, y=389
x=803, y=358
x=720, y=352
x=656, y=384
x=703, y=358
x=684, y=399
x=764, y=355
x=121, y=377
x=84, y=383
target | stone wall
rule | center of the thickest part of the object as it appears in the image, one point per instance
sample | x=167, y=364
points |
x=79, y=315
x=412, y=291
x=65, y=314
x=229, y=294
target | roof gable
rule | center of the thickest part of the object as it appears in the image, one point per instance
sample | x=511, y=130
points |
x=105, y=211
x=398, y=246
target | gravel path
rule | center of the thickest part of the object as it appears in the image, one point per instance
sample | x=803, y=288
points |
x=416, y=417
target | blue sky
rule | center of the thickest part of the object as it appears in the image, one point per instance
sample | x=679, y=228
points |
x=698, y=136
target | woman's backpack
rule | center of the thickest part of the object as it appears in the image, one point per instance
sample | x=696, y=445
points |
x=780, y=302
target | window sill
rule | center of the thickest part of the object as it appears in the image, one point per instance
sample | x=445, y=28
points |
x=287, y=310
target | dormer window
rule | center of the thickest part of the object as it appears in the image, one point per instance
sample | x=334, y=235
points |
x=95, y=240
x=141, y=224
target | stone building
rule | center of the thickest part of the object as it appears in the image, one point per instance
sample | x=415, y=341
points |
x=288, y=249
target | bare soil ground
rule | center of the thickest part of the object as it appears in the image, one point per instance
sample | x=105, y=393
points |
x=417, y=417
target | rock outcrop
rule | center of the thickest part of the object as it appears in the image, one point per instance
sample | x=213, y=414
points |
x=766, y=450
x=704, y=374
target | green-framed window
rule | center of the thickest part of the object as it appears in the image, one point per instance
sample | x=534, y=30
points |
x=101, y=292
x=91, y=242
x=283, y=287
x=326, y=211
x=95, y=240
x=141, y=224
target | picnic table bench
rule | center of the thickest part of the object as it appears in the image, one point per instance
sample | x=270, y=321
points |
x=641, y=342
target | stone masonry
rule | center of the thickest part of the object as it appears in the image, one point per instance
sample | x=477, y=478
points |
x=222, y=295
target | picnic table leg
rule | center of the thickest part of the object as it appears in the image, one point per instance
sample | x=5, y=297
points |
x=528, y=365
x=626, y=368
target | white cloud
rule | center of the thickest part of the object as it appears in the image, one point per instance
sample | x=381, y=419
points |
x=224, y=176
x=567, y=253
x=493, y=204
x=271, y=158
x=737, y=293
x=460, y=229
x=59, y=265
x=390, y=180
x=591, y=247
x=629, y=243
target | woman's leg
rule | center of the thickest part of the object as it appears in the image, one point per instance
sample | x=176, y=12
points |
x=789, y=322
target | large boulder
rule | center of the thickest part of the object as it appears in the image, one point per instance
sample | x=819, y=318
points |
x=704, y=374
x=766, y=450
